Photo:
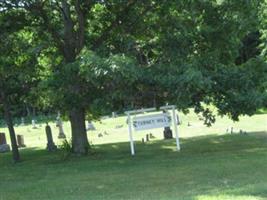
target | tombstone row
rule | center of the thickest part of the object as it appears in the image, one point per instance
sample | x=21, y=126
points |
x=4, y=147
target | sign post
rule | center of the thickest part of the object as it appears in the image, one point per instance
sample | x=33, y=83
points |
x=130, y=134
x=175, y=123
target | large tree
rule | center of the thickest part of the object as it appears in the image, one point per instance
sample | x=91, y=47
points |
x=116, y=53
x=69, y=26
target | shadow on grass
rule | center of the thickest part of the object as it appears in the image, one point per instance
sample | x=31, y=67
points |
x=206, y=166
x=194, y=146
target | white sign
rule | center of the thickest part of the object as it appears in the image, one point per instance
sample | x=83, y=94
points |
x=151, y=121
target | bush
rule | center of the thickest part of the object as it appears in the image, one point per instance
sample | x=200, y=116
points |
x=66, y=149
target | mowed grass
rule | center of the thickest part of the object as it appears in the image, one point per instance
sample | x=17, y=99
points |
x=210, y=165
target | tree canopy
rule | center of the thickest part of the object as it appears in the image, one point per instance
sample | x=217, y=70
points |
x=96, y=56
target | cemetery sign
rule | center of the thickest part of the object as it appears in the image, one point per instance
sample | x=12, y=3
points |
x=138, y=123
x=151, y=121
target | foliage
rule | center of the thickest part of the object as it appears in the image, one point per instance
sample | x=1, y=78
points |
x=65, y=148
x=19, y=72
x=99, y=56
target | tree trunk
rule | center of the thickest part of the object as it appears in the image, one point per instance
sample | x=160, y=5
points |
x=80, y=143
x=8, y=119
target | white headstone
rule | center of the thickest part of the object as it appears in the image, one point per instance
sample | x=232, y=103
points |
x=34, y=124
x=90, y=126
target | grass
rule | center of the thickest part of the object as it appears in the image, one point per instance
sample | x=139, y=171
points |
x=211, y=165
x=36, y=137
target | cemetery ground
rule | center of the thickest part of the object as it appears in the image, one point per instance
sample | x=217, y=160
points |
x=212, y=164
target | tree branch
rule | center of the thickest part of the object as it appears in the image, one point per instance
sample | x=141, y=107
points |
x=81, y=26
x=114, y=24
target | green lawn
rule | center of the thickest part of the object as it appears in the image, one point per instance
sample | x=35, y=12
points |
x=211, y=165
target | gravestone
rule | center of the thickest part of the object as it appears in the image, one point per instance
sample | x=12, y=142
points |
x=105, y=117
x=147, y=137
x=118, y=126
x=232, y=130
x=151, y=136
x=50, y=143
x=178, y=120
x=34, y=124
x=4, y=147
x=20, y=140
x=59, y=124
x=90, y=126
x=22, y=121
x=2, y=138
x=167, y=133
x=114, y=114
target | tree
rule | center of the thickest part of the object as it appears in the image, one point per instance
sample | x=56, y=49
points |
x=18, y=69
x=201, y=52
x=69, y=26
x=115, y=53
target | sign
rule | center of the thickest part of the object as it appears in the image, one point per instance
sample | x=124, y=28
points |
x=151, y=121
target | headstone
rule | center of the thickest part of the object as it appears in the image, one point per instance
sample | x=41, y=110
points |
x=4, y=147
x=50, y=143
x=151, y=136
x=114, y=115
x=59, y=124
x=232, y=130
x=20, y=140
x=118, y=126
x=2, y=138
x=90, y=126
x=147, y=137
x=178, y=120
x=105, y=117
x=34, y=124
x=167, y=133
x=105, y=133
x=22, y=122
